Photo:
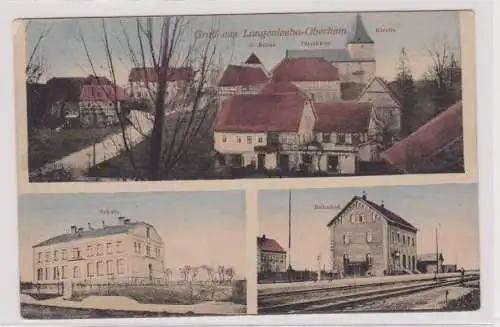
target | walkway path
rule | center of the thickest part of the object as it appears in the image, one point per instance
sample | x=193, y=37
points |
x=127, y=304
x=110, y=147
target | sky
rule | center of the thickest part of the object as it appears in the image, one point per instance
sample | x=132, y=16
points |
x=416, y=32
x=197, y=227
x=451, y=208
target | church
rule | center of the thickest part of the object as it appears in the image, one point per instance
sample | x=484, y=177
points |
x=355, y=62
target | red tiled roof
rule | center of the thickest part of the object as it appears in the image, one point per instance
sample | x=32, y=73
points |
x=342, y=116
x=242, y=75
x=426, y=141
x=280, y=88
x=305, y=69
x=149, y=74
x=390, y=216
x=269, y=245
x=102, y=93
x=260, y=113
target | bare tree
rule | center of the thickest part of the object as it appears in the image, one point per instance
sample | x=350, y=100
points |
x=185, y=272
x=209, y=271
x=36, y=65
x=445, y=75
x=384, y=131
x=229, y=272
x=221, y=272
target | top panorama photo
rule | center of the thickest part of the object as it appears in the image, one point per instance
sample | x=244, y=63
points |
x=231, y=97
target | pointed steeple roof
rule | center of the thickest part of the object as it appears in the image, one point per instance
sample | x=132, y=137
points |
x=360, y=36
x=253, y=60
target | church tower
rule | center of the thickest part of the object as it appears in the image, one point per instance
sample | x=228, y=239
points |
x=360, y=46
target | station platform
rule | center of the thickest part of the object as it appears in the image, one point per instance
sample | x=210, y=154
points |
x=279, y=287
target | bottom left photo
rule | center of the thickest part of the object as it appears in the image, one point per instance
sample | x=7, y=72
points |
x=125, y=255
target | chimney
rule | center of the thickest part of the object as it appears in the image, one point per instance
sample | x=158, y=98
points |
x=364, y=195
x=73, y=228
x=382, y=204
x=121, y=220
x=90, y=226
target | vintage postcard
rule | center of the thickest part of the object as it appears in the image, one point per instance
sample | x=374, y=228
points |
x=374, y=249
x=127, y=255
x=245, y=96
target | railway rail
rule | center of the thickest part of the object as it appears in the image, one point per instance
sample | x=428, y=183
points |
x=342, y=301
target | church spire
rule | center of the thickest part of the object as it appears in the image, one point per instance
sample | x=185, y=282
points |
x=361, y=36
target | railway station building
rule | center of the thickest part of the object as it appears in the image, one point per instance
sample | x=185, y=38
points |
x=367, y=239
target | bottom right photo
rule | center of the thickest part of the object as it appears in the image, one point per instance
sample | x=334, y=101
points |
x=371, y=249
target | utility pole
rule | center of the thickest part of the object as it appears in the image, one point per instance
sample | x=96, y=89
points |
x=93, y=155
x=437, y=252
x=289, y=229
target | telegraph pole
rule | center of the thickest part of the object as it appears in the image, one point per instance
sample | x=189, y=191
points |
x=437, y=252
x=289, y=229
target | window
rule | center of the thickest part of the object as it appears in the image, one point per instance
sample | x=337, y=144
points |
x=120, y=267
x=55, y=273
x=368, y=237
x=412, y=241
x=46, y=273
x=224, y=139
x=374, y=217
x=332, y=245
x=353, y=219
x=65, y=254
x=148, y=250
x=347, y=238
x=139, y=248
x=56, y=254
x=99, y=268
x=249, y=140
x=260, y=139
x=39, y=254
x=63, y=272
x=404, y=239
x=361, y=218
x=76, y=272
x=238, y=139
x=148, y=232
x=109, y=267
x=109, y=249
x=47, y=256
x=39, y=274
x=369, y=259
x=90, y=269
x=90, y=251
x=327, y=137
x=394, y=240
x=355, y=138
x=340, y=138
x=100, y=249
x=119, y=247
x=346, y=259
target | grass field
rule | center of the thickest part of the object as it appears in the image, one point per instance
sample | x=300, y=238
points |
x=47, y=145
x=163, y=294
x=32, y=311
x=469, y=302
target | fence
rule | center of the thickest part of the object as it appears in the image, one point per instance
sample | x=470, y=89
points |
x=291, y=276
x=56, y=289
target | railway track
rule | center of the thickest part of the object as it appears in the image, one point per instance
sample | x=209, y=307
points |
x=339, y=302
